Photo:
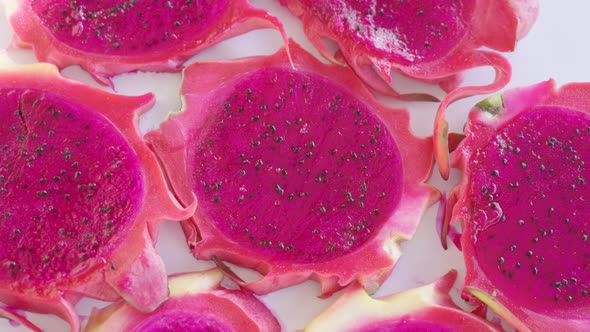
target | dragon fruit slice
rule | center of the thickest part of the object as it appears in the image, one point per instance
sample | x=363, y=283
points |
x=111, y=37
x=197, y=302
x=433, y=41
x=427, y=308
x=81, y=196
x=299, y=173
x=522, y=205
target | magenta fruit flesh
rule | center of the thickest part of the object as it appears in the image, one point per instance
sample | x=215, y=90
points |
x=522, y=205
x=289, y=168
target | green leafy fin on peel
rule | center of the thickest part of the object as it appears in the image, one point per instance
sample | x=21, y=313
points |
x=427, y=308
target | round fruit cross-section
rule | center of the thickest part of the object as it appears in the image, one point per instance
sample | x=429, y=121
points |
x=389, y=28
x=299, y=172
x=115, y=27
x=306, y=172
x=530, y=213
x=59, y=163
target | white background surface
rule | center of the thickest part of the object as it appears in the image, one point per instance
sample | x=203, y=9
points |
x=557, y=46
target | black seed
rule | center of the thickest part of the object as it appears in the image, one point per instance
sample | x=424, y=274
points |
x=279, y=190
x=535, y=271
x=585, y=237
x=495, y=172
x=522, y=164
x=521, y=222
x=501, y=260
x=569, y=298
x=529, y=253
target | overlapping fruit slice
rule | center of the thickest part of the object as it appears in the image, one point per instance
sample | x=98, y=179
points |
x=429, y=40
x=427, y=308
x=110, y=37
x=81, y=196
x=197, y=302
x=299, y=172
x=523, y=205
